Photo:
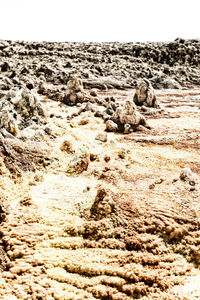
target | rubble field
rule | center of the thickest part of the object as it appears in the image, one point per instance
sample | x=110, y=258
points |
x=100, y=196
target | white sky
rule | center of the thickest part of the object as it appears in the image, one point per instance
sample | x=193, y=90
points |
x=99, y=20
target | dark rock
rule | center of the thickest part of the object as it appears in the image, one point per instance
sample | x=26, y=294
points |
x=5, y=67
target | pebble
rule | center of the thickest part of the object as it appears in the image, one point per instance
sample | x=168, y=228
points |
x=103, y=137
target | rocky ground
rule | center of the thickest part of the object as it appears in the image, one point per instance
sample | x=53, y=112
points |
x=90, y=214
x=102, y=65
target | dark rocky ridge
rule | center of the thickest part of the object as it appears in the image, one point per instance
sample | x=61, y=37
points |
x=48, y=66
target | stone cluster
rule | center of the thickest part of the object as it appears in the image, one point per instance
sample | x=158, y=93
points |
x=20, y=108
x=126, y=119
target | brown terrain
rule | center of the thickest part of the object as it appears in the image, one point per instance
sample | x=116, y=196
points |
x=93, y=214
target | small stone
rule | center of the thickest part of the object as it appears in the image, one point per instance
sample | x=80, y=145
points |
x=67, y=146
x=122, y=153
x=192, y=189
x=107, y=158
x=27, y=199
x=103, y=137
x=8, y=275
x=174, y=180
x=159, y=181
x=15, y=270
x=73, y=125
x=93, y=93
x=87, y=189
x=83, y=121
x=48, y=131
x=127, y=128
x=93, y=156
x=152, y=186
x=17, y=253
x=192, y=182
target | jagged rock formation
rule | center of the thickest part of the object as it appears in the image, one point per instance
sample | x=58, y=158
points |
x=145, y=95
x=74, y=93
x=103, y=205
x=19, y=109
x=127, y=119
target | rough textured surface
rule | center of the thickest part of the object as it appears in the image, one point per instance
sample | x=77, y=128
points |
x=49, y=66
x=110, y=218
x=19, y=109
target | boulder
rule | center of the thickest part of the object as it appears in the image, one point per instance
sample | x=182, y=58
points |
x=74, y=93
x=127, y=118
x=145, y=95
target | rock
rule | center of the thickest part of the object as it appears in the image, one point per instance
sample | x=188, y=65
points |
x=5, y=66
x=30, y=84
x=88, y=107
x=94, y=156
x=111, y=126
x=111, y=106
x=74, y=93
x=103, y=137
x=152, y=186
x=39, y=177
x=145, y=95
x=93, y=93
x=116, y=65
x=18, y=155
x=7, y=122
x=104, y=83
x=4, y=209
x=163, y=82
x=127, y=128
x=19, y=109
x=107, y=158
x=26, y=200
x=48, y=131
x=4, y=85
x=192, y=189
x=122, y=153
x=99, y=114
x=84, y=121
x=68, y=145
x=79, y=162
x=3, y=259
x=159, y=180
x=128, y=118
x=187, y=175
x=103, y=205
